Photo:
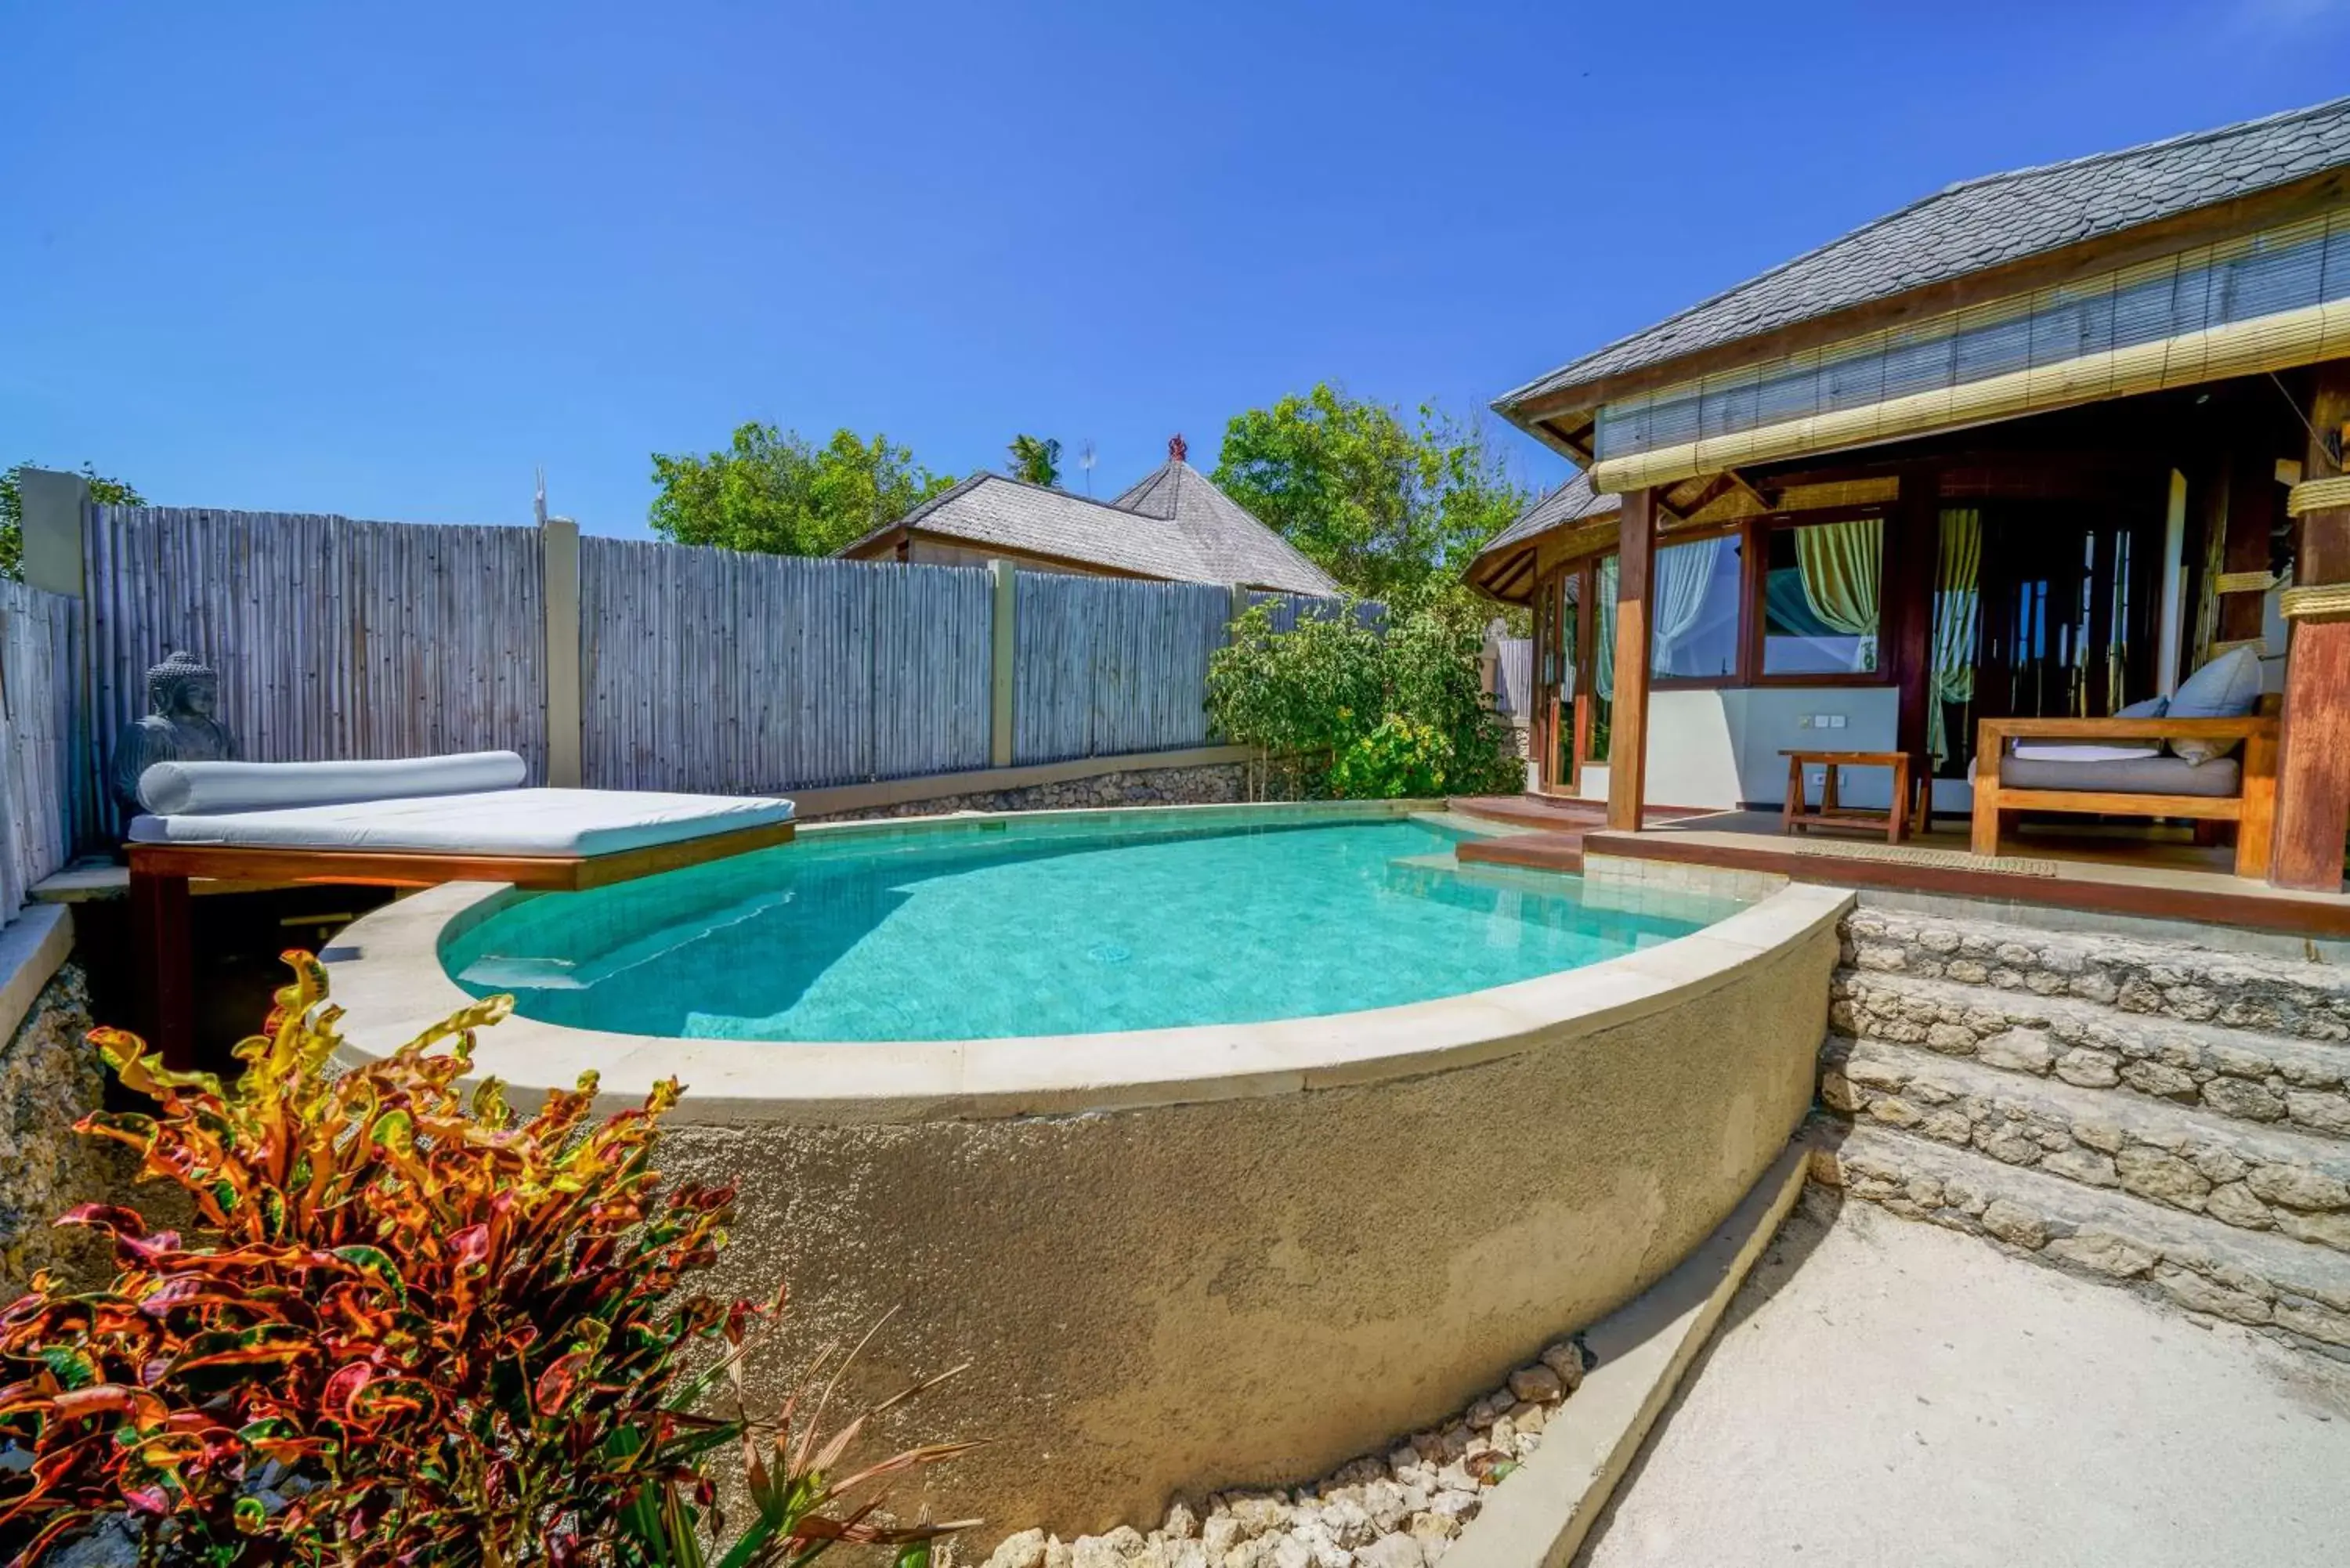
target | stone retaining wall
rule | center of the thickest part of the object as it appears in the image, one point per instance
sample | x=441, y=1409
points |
x=1215, y=783
x=49, y=1079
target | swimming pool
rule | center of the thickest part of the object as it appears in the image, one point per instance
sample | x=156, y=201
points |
x=1169, y=1254
x=1051, y=928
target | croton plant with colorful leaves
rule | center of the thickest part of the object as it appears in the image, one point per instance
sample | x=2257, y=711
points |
x=412, y=1328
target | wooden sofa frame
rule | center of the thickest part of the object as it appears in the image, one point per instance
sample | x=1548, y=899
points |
x=2253, y=808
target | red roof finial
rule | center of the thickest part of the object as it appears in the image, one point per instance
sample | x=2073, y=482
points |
x=1175, y=448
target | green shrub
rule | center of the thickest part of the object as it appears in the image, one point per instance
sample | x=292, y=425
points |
x=416, y=1328
x=1360, y=713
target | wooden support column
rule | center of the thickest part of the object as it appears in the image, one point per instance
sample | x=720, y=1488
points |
x=161, y=952
x=2313, y=778
x=2252, y=498
x=1913, y=558
x=1627, y=743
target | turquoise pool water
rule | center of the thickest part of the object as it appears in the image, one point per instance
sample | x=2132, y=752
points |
x=1049, y=929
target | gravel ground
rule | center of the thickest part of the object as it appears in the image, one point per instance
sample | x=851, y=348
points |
x=1883, y=1391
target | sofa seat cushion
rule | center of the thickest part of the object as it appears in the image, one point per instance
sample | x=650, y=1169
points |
x=2217, y=779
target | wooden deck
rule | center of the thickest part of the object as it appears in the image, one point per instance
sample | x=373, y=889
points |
x=2152, y=874
x=1557, y=828
x=2142, y=873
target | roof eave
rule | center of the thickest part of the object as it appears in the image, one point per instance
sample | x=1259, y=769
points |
x=1546, y=398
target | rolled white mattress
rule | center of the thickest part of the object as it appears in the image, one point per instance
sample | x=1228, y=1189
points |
x=207, y=789
x=508, y=822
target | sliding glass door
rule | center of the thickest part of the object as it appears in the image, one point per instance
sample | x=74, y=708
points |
x=1575, y=651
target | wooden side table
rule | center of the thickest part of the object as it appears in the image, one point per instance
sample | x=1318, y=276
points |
x=1799, y=814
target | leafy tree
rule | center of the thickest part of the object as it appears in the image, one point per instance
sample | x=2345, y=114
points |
x=1357, y=712
x=104, y=491
x=1391, y=509
x=1036, y=461
x=771, y=491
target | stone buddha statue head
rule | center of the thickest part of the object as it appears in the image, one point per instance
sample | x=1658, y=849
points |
x=178, y=727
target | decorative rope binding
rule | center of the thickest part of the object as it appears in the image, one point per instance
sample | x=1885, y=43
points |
x=2318, y=495
x=2316, y=601
x=2243, y=582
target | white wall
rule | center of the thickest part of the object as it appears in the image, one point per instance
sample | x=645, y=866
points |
x=1721, y=748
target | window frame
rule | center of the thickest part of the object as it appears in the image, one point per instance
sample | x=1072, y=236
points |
x=1747, y=589
x=1758, y=589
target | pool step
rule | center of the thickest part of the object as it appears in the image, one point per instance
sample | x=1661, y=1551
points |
x=2253, y=1177
x=2294, y=998
x=1533, y=851
x=2299, y=1292
x=1459, y=825
x=2157, y=1112
x=2244, y=1074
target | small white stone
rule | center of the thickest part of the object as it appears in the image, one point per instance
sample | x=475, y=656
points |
x=1026, y=1550
x=1384, y=1501
x=1181, y=1524
x=1348, y=1523
x=1395, y=1550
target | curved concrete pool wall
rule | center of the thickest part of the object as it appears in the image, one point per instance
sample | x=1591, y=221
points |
x=1212, y=1256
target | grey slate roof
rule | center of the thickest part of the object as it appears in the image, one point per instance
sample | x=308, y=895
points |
x=1981, y=223
x=1232, y=545
x=1570, y=503
x=1173, y=526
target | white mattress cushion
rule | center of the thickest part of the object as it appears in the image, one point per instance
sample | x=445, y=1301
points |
x=531, y=822
x=2065, y=752
x=181, y=789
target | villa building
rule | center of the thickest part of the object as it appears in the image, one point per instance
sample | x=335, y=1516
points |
x=2018, y=458
x=1174, y=526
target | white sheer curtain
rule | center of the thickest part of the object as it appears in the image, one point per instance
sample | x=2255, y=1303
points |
x=1684, y=572
x=1603, y=641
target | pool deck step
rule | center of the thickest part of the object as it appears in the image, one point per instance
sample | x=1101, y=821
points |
x=1533, y=851
x=2260, y=1279
x=2254, y=1177
x=2258, y=1077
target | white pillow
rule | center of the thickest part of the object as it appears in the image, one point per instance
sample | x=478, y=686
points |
x=2227, y=688
x=211, y=789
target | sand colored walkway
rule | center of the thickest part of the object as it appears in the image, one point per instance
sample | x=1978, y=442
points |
x=1885, y=1392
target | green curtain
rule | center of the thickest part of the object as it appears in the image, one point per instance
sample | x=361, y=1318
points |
x=1842, y=564
x=1956, y=601
x=1603, y=641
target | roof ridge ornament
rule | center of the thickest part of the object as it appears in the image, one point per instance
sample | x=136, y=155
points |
x=1177, y=448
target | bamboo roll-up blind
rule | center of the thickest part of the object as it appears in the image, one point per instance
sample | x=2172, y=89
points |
x=2263, y=302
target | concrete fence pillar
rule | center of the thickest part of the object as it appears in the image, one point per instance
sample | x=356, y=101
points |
x=558, y=542
x=1005, y=651
x=53, y=505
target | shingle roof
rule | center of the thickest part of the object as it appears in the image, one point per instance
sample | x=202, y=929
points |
x=1570, y=503
x=1232, y=545
x=1173, y=526
x=1985, y=222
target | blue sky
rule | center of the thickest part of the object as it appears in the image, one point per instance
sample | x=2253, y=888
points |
x=382, y=261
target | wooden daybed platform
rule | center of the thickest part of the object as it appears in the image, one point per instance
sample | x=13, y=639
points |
x=545, y=840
